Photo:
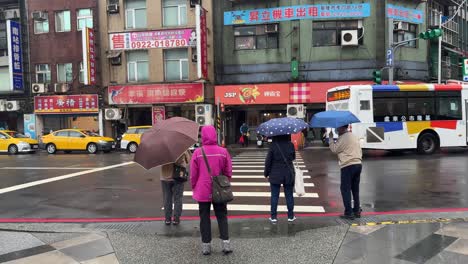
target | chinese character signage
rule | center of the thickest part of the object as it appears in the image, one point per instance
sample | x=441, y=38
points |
x=159, y=114
x=405, y=14
x=168, y=38
x=202, y=48
x=89, y=56
x=253, y=94
x=30, y=126
x=157, y=93
x=16, y=60
x=278, y=14
x=66, y=104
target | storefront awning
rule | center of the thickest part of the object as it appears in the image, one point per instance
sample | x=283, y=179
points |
x=113, y=54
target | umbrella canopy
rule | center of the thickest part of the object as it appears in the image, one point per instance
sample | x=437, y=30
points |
x=281, y=126
x=333, y=119
x=165, y=142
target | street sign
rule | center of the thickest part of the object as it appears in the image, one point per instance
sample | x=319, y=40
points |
x=465, y=70
x=389, y=57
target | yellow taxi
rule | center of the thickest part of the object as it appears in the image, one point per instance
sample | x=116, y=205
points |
x=14, y=142
x=76, y=139
x=132, y=138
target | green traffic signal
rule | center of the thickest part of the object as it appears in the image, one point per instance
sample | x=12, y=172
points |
x=377, y=76
x=431, y=34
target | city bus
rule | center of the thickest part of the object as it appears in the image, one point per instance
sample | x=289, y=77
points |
x=423, y=117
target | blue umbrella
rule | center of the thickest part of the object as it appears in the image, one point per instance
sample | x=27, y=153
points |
x=333, y=119
x=281, y=126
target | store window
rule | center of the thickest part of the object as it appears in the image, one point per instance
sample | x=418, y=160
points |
x=328, y=33
x=405, y=31
x=135, y=13
x=84, y=18
x=174, y=13
x=42, y=26
x=263, y=36
x=43, y=73
x=176, y=64
x=138, y=66
x=64, y=73
x=62, y=21
x=81, y=72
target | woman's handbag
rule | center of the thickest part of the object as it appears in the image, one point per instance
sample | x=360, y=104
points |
x=298, y=175
x=241, y=139
x=220, y=185
x=180, y=174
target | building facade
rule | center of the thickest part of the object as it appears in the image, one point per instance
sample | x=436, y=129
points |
x=271, y=54
x=158, y=62
x=14, y=81
x=61, y=97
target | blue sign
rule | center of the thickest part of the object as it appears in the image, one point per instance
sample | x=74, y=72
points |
x=30, y=126
x=405, y=14
x=16, y=57
x=278, y=14
x=389, y=57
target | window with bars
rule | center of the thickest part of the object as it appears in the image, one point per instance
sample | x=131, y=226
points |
x=328, y=33
x=263, y=36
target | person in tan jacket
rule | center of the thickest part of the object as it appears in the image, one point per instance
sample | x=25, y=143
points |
x=349, y=153
x=173, y=191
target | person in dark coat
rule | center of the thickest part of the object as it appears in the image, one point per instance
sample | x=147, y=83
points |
x=279, y=171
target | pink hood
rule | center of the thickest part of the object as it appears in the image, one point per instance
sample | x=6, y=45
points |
x=218, y=159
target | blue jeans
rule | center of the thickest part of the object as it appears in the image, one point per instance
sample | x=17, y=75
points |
x=350, y=178
x=288, y=193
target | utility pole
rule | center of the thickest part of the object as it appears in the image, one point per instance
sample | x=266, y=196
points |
x=439, y=64
x=390, y=47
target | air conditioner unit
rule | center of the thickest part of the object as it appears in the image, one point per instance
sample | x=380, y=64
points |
x=401, y=26
x=12, y=106
x=113, y=114
x=116, y=60
x=113, y=8
x=271, y=28
x=193, y=3
x=296, y=111
x=61, y=87
x=11, y=13
x=194, y=57
x=349, y=38
x=38, y=88
x=39, y=15
x=3, y=104
x=204, y=114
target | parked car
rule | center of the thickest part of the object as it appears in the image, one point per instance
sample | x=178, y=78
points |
x=69, y=140
x=131, y=139
x=14, y=142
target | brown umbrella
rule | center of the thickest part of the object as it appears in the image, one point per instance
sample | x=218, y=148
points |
x=165, y=142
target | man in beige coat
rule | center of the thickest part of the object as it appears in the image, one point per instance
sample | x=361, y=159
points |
x=349, y=153
x=173, y=191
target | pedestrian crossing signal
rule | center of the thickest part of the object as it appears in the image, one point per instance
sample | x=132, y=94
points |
x=377, y=76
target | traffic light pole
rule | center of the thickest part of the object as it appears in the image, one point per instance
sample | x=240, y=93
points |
x=390, y=45
x=439, y=64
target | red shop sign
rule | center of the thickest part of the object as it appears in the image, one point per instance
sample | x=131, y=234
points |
x=66, y=104
x=156, y=93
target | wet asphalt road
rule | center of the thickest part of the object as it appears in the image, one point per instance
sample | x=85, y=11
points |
x=389, y=182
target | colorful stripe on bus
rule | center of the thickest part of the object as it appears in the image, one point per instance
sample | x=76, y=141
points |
x=416, y=87
x=415, y=127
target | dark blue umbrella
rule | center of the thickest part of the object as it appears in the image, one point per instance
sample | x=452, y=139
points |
x=281, y=126
x=333, y=119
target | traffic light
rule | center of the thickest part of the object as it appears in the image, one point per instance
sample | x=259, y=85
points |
x=294, y=69
x=431, y=34
x=377, y=76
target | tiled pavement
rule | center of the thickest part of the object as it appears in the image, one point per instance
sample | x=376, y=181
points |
x=56, y=248
x=428, y=243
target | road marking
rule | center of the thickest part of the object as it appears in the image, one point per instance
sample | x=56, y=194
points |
x=257, y=184
x=234, y=171
x=45, y=168
x=255, y=162
x=237, y=176
x=256, y=166
x=262, y=194
x=59, y=178
x=263, y=208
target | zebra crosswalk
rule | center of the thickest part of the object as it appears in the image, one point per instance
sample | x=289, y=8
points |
x=252, y=191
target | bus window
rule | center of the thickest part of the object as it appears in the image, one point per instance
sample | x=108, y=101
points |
x=449, y=108
x=365, y=105
x=420, y=109
x=390, y=109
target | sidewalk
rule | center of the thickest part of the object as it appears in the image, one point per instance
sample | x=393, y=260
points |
x=403, y=239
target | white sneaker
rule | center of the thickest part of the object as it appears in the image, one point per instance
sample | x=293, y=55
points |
x=292, y=219
x=273, y=220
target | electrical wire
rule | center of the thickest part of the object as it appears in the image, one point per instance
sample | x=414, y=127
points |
x=456, y=13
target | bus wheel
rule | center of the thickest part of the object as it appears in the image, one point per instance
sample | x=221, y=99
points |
x=427, y=144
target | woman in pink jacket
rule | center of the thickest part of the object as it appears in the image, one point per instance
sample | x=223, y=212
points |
x=220, y=163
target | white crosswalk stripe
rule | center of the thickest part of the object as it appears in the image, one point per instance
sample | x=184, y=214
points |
x=252, y=191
